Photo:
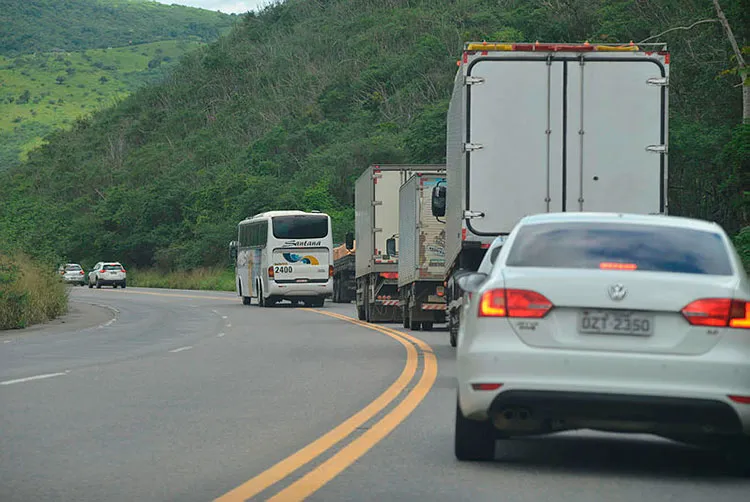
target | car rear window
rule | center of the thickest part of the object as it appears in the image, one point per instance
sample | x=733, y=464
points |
x=71, y=268
x=648, y=247
x=112, y=267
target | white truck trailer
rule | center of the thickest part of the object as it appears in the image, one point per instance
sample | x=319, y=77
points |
x=376, y=231
x=421, y=260
x=536, y=128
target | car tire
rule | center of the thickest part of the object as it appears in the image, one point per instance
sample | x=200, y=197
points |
x=474, y=440
x=98, y=284
x=737, y=456
x=123, y=284
x=91, y=285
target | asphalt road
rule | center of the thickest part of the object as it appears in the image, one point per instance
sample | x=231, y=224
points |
x=180, y=395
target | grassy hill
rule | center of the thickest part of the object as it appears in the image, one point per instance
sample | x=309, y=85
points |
x=28, y=26
x=65, y=59
x=286, y=111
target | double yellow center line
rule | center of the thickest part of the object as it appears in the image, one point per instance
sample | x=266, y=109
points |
x=325, y=472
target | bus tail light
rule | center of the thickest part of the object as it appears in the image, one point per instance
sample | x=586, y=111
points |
x=330, y=270
x=270, y=273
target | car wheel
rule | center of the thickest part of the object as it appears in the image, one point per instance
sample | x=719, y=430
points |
x=123, y=284
x=317, y=303
x=91, y=285
x=737, y=456
x=98, y=284
x=474, y=440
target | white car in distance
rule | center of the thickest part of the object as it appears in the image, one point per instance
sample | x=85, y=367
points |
x=108, y=273
x=611, y=322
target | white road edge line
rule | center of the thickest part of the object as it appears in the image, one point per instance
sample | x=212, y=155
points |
x=229, y=325
x=35, y=377
x=181, y=349
x=220, y=335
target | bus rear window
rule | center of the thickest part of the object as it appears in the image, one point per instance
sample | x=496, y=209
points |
x=300, y=227
x=644, y=247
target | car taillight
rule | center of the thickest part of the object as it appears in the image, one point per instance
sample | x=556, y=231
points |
x=720, y=312
x=270, y=272
x=330, y=270
x=513, y=303
x=80, y=273
x=102, y=271
x=122, y=270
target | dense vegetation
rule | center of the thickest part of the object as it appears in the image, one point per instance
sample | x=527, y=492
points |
x=28, y=26
x=286, y=111
x=53, y=72
x=30, y=292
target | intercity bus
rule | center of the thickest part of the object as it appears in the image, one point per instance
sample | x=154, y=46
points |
x=284, y=255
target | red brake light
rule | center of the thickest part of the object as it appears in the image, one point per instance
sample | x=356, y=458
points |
x=80, y=273
x=102, y=271
x=270, y=272
x=607, y=265
x=740, y=399
x=389, y=275
x=486, y=386
x=513, y=303
x=330, y=270
x=720, y=312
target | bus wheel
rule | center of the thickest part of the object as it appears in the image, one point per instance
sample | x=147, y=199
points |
x=246, y=300
x=317, y=302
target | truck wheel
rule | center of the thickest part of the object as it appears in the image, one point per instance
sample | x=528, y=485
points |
x=361, y=313
x=415, y=325
x=405, y=316
x=427, y=325
x=336, y=295
x=473, y=440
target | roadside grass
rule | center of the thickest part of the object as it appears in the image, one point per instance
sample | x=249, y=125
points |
x=212, y=279
x=30, y=292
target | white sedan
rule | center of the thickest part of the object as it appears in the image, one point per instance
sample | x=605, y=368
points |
x=612, y=322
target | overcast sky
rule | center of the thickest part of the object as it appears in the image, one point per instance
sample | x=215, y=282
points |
x=225, y=6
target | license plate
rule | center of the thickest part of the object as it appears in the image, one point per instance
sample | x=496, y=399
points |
x=612, y=322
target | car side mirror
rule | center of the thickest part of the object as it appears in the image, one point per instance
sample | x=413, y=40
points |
x=471, y=281
x=233, y=250
x=390, y=247
x=349, y=241
x=494, y=253
x=438, y=201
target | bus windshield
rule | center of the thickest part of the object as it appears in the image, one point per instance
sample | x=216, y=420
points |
x=300, y=226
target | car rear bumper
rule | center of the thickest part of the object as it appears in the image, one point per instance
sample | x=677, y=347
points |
x=108, y=282
x=300, y=290
x=609, y=386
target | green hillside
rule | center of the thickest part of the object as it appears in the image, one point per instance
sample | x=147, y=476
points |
x=28, y=26
x=287, y=110
x=60, y=60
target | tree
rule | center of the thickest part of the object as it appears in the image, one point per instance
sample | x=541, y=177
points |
x=742, y=70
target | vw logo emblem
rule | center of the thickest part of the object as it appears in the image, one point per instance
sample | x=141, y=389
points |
x=617, y=292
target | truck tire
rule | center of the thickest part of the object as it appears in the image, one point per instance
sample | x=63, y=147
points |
x=427, y=325
x=452, y=329
x=415, y=325
x=361, y=313
x=336, y=293
x=405, y=316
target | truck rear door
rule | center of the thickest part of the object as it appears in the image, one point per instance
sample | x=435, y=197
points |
x=517, y=170
x=615, y=164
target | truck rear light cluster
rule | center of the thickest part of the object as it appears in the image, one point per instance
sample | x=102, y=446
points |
x=389, y=275
x=719, y=312
x=513, y=303
x=384, y=297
